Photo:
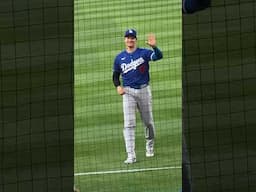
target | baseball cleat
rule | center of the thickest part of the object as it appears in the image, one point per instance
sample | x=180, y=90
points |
x=149, y=153
x=130, y=160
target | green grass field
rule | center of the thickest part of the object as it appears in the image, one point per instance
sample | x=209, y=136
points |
x=99, y=145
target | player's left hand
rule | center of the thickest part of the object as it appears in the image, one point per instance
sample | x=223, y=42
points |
x=151, y=40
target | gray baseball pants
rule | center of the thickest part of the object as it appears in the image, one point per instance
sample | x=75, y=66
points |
x=140, y=99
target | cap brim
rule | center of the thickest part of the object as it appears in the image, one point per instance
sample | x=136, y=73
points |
x=130, y=35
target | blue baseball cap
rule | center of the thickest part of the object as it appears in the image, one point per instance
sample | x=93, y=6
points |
x=130, y=32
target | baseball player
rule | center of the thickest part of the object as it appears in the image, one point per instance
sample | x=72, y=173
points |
x=133, y=65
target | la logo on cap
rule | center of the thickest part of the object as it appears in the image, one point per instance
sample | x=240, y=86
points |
x=130, y=31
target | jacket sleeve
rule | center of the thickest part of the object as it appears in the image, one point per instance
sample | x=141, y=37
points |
x=116, y=80
x=157, y=54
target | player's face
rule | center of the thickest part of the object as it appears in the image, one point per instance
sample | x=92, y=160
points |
x=130, y=41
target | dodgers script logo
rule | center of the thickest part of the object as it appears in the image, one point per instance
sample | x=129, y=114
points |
x=126, y=67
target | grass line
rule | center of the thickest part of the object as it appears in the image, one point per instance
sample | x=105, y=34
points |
x=126, y=171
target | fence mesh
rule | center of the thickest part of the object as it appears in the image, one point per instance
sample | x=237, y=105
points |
x=219, y=96
x=99, y=143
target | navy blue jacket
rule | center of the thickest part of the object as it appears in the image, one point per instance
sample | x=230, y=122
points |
x=191, y=6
